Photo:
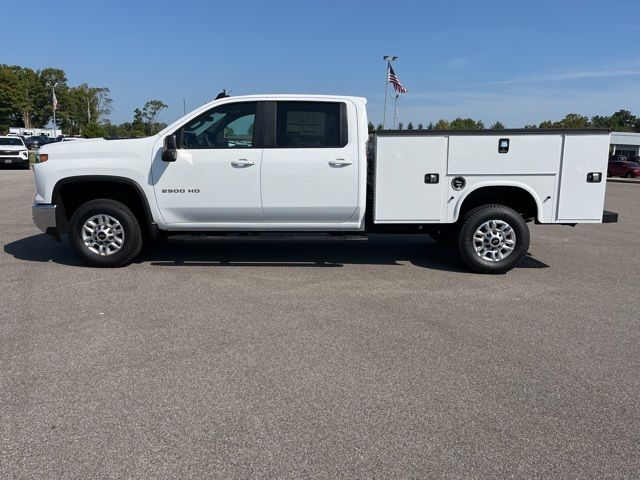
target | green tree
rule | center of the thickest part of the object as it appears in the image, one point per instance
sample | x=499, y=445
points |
x=50, y=78
x=25, y=94
x=573, y=120
x=497, y=126
x=623, y=121
x=371, y=127
x=28, y=94
x=420, y=126
x=599, y=121
x=9, y=90
x=150, y=113
x=379, y=127
x=530, y=125
x=94, y=130
x=410, y=126
x=442, y=124
x=467, y=124
x=400, y=126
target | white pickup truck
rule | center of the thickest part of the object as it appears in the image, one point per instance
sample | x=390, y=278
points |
x=306, y=163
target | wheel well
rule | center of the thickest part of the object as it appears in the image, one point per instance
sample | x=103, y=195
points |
x=514, y=197
x=68, y=196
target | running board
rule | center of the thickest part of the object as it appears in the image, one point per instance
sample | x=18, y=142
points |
x=268, y=236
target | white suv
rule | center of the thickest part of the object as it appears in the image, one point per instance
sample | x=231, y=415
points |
x=13, y=152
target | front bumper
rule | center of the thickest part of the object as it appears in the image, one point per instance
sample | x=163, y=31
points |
x=44, y=216
x=17, y=160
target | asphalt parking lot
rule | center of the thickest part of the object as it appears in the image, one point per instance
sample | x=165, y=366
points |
x=269, y=359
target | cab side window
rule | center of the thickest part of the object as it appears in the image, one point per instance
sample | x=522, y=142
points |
x=311, y=125
x=226, y=126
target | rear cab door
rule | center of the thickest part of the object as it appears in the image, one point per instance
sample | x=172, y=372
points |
x=311, y=165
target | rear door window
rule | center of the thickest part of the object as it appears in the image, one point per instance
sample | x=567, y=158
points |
x=311, y=125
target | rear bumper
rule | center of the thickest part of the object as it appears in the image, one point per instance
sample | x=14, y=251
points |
x=44, y=217
x=609, y=217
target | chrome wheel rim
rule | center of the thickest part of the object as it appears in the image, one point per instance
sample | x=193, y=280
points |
x=494, y=240
x=103, y=235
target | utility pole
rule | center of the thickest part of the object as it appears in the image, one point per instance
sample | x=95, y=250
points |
x=54, y=104
x=388, y=59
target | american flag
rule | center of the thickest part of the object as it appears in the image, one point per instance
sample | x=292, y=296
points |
x=54, y=100
x=395, y=81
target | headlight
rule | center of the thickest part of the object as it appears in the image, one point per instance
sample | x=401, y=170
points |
x=24, y=153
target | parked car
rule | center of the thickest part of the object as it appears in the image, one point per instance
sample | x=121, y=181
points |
x=17, y=135
x=306, y=170
x=618, y=157
x=623, y=169
x=35, y=142
x=13, y=151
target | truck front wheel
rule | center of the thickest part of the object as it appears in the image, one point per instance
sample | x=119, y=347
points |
x=105, y=233
x=493, y=239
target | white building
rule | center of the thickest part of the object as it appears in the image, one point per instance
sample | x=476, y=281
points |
x=28, y=132
x=625, y=143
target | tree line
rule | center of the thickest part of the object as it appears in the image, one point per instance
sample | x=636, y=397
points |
x=26, y=100
x=620, y=121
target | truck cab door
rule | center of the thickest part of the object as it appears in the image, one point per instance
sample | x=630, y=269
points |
x=215, y=179
x=310, y=163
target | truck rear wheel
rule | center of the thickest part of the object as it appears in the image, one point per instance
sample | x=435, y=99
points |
x=493, y=239
x=105, y=233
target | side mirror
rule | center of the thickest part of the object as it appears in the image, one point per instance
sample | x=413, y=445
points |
x=170, y=151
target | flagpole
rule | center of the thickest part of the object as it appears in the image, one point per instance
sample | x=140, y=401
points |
x=395, y=111
x=388, y=59
x=386, y=89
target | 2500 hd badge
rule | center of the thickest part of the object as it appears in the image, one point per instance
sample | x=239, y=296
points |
x=180, y=190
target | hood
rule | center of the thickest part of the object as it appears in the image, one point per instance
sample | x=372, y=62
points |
x=97, y=148
x=12, y=148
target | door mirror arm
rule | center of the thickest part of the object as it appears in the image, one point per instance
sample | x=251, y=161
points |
x=170, y=149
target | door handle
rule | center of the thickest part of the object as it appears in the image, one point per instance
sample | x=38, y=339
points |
x=340, y=162
x=242, y=162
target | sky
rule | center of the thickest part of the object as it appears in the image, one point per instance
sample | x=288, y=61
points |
x=515, y=61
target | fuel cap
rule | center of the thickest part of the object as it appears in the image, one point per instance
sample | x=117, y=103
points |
x=458, y=183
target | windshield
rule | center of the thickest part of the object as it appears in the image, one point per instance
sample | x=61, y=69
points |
x=11, y=141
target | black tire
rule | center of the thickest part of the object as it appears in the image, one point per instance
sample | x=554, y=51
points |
x=474, y=219
x=608, y=173
x=629, y=175
x=132, y=242
x=445, y=235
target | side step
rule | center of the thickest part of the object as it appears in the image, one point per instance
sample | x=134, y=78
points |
x=268, y=236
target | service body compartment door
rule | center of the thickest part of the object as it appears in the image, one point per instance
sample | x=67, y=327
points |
x=581, y=200
x=403, y=192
